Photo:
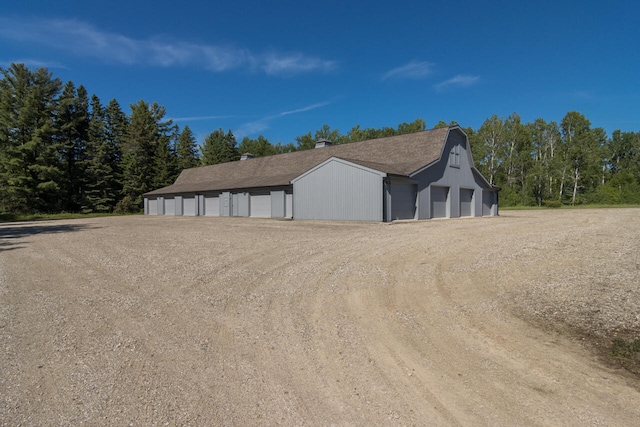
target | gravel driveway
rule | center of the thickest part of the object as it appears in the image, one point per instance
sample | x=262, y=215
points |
x=235, y=321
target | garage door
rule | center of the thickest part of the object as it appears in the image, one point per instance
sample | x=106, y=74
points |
x=466, y=202
x=439, y=200
x=169, y=206
x=261, y=205
x=487, y=202
x=189, y=206
x=153, y=206
x=403, y=201
x=212, y=206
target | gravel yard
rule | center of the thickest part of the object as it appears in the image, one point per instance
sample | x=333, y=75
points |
x=235, y=321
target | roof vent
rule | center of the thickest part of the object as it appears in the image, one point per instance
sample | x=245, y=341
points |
x=246, y=156
x=323, y=143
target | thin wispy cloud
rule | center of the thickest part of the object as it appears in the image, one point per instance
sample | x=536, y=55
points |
x=461, y=80
x=199, y=118
x=412, y=70
x=32, y=63
x=85, y=40
x=263, y=123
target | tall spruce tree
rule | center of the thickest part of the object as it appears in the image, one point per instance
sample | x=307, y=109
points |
x=187, y=150
x=147, y=153
x=219, y=147
x=72, y=127
x=30, y=168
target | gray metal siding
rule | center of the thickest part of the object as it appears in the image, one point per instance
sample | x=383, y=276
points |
x=338, y=190
x=457, y=177
x=288, y=205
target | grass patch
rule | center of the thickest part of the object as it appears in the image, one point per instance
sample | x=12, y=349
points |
x=627, y=353
x=594, y=206
x=7, y=217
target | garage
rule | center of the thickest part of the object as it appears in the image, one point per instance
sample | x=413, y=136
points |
x=439, y=202
x=466, y=202
x=260, y=205
x=403, y=200
x=212, y=206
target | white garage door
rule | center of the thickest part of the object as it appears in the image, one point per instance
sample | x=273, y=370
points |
x=212, y=206
x=189, y=206
x=261, y=205
x=439, y=200
x=153, y=206
x=466, y=199
x=169, y=206
x=403, y=201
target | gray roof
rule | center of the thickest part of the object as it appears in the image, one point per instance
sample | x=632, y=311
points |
x=396, y=155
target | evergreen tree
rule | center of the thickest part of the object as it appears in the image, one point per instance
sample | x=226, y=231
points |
x=103, y=157
x=72, y=126
x=259, y=147
x=219, y=147
x=147, y=155
x=187, y=150
x=29, y=163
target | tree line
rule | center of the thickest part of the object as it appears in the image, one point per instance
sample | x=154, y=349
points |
x=62, y=150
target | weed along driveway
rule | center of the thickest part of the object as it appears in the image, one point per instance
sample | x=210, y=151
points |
x=232, y=321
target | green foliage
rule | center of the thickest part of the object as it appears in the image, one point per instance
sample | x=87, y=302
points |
x=552, y=203
x=219, y=147
x=187, y=150
x=259, y=147
x=148, y=162
x=128, y=204
x=61, y=150
x=627, y=352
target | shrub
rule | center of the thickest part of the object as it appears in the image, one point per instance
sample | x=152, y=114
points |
x=127, y=205
x=552, y=203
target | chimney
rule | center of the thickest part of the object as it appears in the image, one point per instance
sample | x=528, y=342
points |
x=323, y=143
x=246, y=156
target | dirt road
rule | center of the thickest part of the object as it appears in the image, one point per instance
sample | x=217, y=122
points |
x=229, y=321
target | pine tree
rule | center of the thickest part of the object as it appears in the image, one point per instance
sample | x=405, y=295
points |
x=219, y=147
x=72, y=126
x=147, y=154
x=187, y=150
x=29, y=163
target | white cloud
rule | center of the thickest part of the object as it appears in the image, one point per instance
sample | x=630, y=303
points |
x=32, y=63
x=461, y=80
x=412, y=70
x=263, y=123
x=84, y=40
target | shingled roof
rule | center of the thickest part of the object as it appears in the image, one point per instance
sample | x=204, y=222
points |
x=396, y=155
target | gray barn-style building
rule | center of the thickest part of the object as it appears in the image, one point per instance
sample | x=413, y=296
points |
x=428, y=174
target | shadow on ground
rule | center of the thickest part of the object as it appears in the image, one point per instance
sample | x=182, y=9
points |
x=10, y=234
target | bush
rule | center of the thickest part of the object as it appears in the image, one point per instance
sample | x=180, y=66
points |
x=552, y=203
x=127, y=205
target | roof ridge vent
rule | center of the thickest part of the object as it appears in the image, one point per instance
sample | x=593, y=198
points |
x=323, y=143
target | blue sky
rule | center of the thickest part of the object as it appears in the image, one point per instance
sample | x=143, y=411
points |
x=283, y=68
